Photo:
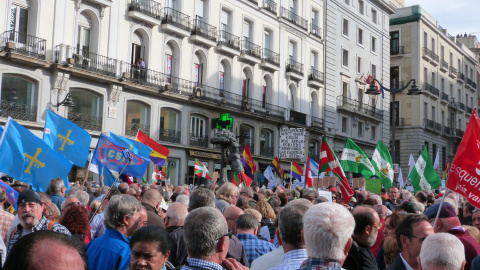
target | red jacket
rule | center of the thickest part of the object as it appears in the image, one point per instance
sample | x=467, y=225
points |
x=472, y=247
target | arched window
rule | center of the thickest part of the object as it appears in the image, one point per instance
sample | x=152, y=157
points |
x=169, y=126
x=266, y=143
x=247, y=134
x=198, y=67
x=137, y=117
x=18, y=98
x=84, y=32
x=198, y=136
x=314, y=110
x=172, y=56
x=23, y=20
x=87, y=112
x=265, y=90
x=138, y=47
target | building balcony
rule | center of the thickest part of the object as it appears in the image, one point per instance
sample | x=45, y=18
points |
x=315, y=78
x=355, y=106
x=444, y=98
x=175, y=22
x=105, y=3
x=426, y=54
x=397, y=51
x=432, y=125
x=131, y=129
x=228, y=43
x=431, y=90
x=469, y=110
x=24, y=48
x=447, y=131
x=444, y=65
x=270, y=6
x=315, y=30
x=298, y=117
x=85, y=121
x=251, y=146
x=270, y=60
x=470, y=84
x=147, y=11
x=452, y=72
x=458, y=133
x=461, y=106
x=266, y=150
x=198, y=141
x=293, y=18
x=316, y=122
x=203, y=33
x=250, y=52
x=294, y=69
x=170, y=135
x=460, y=77
x=18, y=110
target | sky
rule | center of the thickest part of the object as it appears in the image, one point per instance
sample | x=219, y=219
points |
x=458, y=16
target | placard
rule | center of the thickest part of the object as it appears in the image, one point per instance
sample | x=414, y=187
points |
x=358, y=182
x=214, y=176
x=292, y=143
x=326, y=194
x=374, y=186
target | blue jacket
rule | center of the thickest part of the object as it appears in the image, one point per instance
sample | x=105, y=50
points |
x=57, y=199
x=109, y=251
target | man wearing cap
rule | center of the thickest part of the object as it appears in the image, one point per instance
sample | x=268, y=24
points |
x=30, y=211
x=449, y=222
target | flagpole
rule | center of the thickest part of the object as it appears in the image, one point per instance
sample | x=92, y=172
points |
x=193, y=177
x=440, y=208
x=86, y=174
x=291, y=170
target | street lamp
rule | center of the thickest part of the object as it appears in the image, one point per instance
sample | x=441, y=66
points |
x=372, y=90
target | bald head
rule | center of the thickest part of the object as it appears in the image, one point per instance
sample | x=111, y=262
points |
x=231, y=214
x=176, y=214
x=152, y=197
x=123, y=188
x=367, y=224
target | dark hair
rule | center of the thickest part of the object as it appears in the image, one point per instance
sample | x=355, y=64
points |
x=290, y=224
x=283, y=199
x=421, y=196
x=384, y=190
x=370, y=201
x=22, y=254
x=242, y=203
x=363, y=219
x=152, y=234
x=247, y=222
x=77, y=220
x=469, y=207
x=113, y=192
x=201, y=197
x=274, y=202
x=405, y=227
x=320, y=199
x=395, y=219
x=174, y=196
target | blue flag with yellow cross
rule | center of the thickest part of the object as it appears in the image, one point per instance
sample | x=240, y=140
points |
x=67, y=138
x=27, y=158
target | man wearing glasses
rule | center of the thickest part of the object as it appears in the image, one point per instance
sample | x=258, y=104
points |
x=69, y=202
x=367, y=224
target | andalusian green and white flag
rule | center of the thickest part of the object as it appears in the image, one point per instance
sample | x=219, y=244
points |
x=423, y=175
x=382, y=162
x=355, y=160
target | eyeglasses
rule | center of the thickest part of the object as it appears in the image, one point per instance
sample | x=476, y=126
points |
x=229, y=235
x=377, y=226
x=73, y=203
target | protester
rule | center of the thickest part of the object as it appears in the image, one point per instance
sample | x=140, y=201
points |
x=77, y=220
x=246, y=231
x=152, y=201
x=97, y=226
x=393, y=195
x=176, y=214
x=226, y=195
x=476, y=218
x=5, y=217
x=31, y=218
x=53, y=213
x=57, y=191
x=150, y=249
x=390, y=251
x=268, y=216
x=69, y=202
x=182, y=198
x=46, y=201
x=467, y=213
x=111, y=250
x=473, y=231
x=231, y=215
x=442, y=251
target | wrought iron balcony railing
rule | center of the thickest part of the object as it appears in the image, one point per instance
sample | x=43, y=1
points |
x=317, y=122
x=453, y=70
x=358, y=107
x=147, y=7
x=24, y=44
x=199, y=141
x=293, y=66
x=430, y=88
x=86, y=60
x=228, y=40
x=315, y=75
x=266, y=150
x=444, y=64
x=461, y=76
x=431, y=54
x=315, y=30
x=444, y=96
x=270, y=5
x=447, y=131
x=271, y=57
x=131, y=129
x=85, y=121
x=461, y=106
x=293, y=18
x=396, y=50
x=469, y=110
x=432, y=125
x=459, y=133
x=175, y=17
x=251, y=49
x=18, y=111
x=170, y=135
x=204, y=29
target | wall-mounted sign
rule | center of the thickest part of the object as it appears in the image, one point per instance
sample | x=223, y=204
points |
x=292, y=143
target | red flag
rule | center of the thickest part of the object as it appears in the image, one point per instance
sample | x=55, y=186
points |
x=247, y=181
x=369, y=79
x=465, y=170
x=308, y=175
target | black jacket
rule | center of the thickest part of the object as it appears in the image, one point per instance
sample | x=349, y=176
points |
x=360, y=257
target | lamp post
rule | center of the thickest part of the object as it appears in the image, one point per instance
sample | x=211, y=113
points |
x=372, y=90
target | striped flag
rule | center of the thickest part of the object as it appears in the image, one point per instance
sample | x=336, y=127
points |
x=247, y=161
x=308, y=175
x=276, y=166
x=159, y=152
x=201, y=170
x=296, y=171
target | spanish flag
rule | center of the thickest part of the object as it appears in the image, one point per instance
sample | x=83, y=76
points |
x=276, y=166
x=159, y=152
x=247, y=161
x=297, y=171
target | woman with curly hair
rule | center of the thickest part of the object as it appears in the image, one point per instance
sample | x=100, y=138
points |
x=227, y=195
x=268, y=216
x=77, y=221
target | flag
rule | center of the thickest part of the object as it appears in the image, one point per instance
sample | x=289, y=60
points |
x=382, y=162
x=446, y=170
x=296, y=171
x=135, y=147
x=411, y=164
x=355, y=160
x=308, y=175
x=201, y=170
x=67, y=139
x=313, y=167
x=268, y=173
x=116, y=158
x=236, y=180
x=276, y=166
x=380, y=89
x=12, y=194
x=464, y=172
x=437, y=160
x=423, y=174
x=27, y=158
x=159, y=152
x=329, y=162
x=247, y=181
x=369, y=79
x=400, y=178
x=247, y=161
x=126, y=179
x=108, y=177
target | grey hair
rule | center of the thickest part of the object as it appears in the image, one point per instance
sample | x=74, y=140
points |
x=203, y=228
x=56, y=185
x=377, y=198
x=420, y=206
x=43, y=197
x=405, y=194
x=3, y=195
x=290, y=224
x=62, y=205
x=310, y=192
x=442, y=251
x=183, y=199
x=73, y=190
x=201, y=197
x=247, y=222
x=301, y=201
x=83, y=197
x=119, y=206
x=327, y=227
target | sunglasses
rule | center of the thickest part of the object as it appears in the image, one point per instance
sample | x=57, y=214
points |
x=73, y=203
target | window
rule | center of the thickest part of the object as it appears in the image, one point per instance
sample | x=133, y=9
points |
x=197, y=70
x=314, y=60
x=360, y=36
x=359, y=65
x=266, y=143
x=83, y=36
x=374, y=71
x=433, y=45
x=425, y=39
x=315, y=20
x=267, y=84
x=425, y=110
x=374, y=44
x=344, y=124
x=247, y=30
x=168, y=120
x=360, y=129
x=19, y=22
x=347, y=2
x=171, y=4
x=443, y=118
x=345, y=58
x=221, y=78
x=18, y=98
x=361, y=7
x=137, y=47
x=87, y=112
x=199, y=10
x=314, y=149
x=292, y=50
x=246, y=137
x=374, y=16
x=434, y=76
x=433, y=114
x=246, y=77
x=442, y=82
x=345, y=28
x=137, y=118
x=267, y=39
x=374, y=132
x=345, y=91
x=224, y=25
x=395, y=76
x=197, y=126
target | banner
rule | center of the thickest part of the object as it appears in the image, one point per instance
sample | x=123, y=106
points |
x=292, y=143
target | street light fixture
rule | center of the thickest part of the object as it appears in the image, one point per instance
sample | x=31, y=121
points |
x=372, y=90
x=67, y=102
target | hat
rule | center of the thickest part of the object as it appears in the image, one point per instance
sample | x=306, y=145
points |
x=447, y=211
x=164, y=205
x=408, y=207
x=353, y=200
x=7, y=178
x=333, y=189
x=28, y=196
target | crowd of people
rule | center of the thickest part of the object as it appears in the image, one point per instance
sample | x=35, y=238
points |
x=141, y=226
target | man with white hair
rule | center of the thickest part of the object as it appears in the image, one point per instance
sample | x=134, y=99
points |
x=442, y=251
x=176, y=214
x=327, y=231
x=57, y=191
x=182, y=198
x=69, y=202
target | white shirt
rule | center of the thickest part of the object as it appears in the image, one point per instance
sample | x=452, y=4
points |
x=407, y=266
x=268, y=260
